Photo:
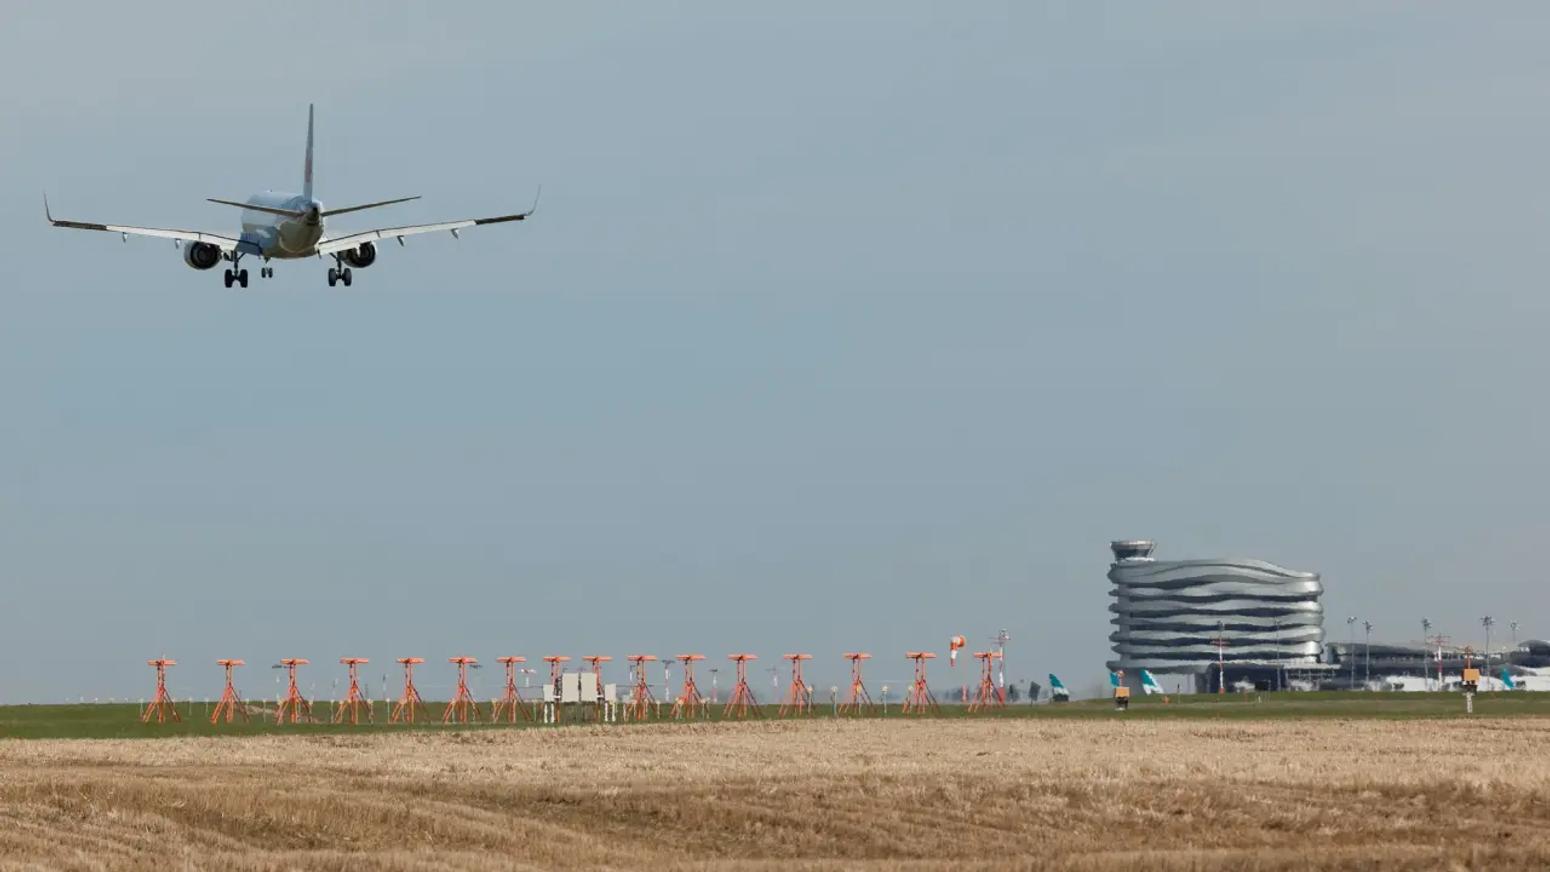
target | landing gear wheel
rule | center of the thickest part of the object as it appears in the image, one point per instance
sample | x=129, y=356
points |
x=333, y=276
x=347, y=276
x=242, y=278
x=229, y=278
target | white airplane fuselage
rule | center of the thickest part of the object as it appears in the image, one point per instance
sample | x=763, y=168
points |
x=279, y=236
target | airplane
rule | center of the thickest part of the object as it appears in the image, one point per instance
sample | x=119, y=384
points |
x=280, y=226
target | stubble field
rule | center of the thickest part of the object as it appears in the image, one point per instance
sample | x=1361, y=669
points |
x=1068, y=794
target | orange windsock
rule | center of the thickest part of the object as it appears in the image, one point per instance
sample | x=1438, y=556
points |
x=953, y=645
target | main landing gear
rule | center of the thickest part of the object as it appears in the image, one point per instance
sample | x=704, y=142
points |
x=339, y=273
x=235, y=275
x=266, y=272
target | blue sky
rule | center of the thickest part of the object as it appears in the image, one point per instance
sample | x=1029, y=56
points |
x=835, y=330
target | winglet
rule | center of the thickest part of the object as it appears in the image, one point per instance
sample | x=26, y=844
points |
x=46, y=213
x=534, y=207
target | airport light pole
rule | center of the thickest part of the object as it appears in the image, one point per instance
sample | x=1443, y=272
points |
x=1514, y=627
x=1367, y=654
x=1001, y=639
x=1487, y=622
x=1350, y=625
x=1221, y=658
x=1279, y=662
x=1426, y=632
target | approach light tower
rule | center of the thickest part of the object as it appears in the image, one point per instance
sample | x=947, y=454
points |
x=859, y=700
x=919, y=698
x=691, y=703
x=409, y=703
x=354, y=700
x=743, y=702
x=462, y=708
x=798, y=701
x=161, y=707
x=230, y=705
x=639, y=707
x=294, y=704
x=510, y=704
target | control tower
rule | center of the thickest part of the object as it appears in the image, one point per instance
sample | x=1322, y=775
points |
x=1170, y=614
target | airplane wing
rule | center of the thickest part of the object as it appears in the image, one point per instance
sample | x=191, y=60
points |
x=225, y=243
x=340, y=243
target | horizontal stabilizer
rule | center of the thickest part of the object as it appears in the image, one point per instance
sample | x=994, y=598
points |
x=288, y=213
x=328, y=212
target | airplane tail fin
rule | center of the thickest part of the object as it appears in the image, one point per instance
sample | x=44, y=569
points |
x=1113, y=679
x=1507, y=681
x=306, y=176
x=1149, y=683
x=1055, y=687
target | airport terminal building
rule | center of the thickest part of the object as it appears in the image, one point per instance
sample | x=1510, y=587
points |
x=1175, y=617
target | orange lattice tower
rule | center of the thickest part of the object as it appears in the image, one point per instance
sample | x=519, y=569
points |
x=742, y=701
x=354, y=700
x=919, y=697
x=798, y=700
x=230, y=705
x=691, y=703
x=639, y=707
x=859, y=700
x=161, y=704
x=596, y=661
x=462, y=708
x=294, y=702
x=987, y=694
x=556, y=669
x=409, y=703
x=510, y=704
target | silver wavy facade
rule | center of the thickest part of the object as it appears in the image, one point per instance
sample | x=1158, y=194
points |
x=1169, y=612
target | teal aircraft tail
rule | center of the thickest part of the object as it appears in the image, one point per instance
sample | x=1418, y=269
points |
x=1056, y=689
x=1507, y=681
x=1113, y=679
x=1149, y=684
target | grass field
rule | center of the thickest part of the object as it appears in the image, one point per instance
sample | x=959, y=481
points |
x=1067, y=793
x=1346, y=781
x=107, y=721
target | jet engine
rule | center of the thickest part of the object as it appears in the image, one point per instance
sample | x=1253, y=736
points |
x=201, y=255
x=361, y=256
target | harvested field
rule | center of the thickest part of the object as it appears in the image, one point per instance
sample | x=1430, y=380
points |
x=1069, y=794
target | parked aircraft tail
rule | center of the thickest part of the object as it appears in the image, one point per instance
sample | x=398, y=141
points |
x=1056, y=689
x=1507, y=681
x=1149, y=684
